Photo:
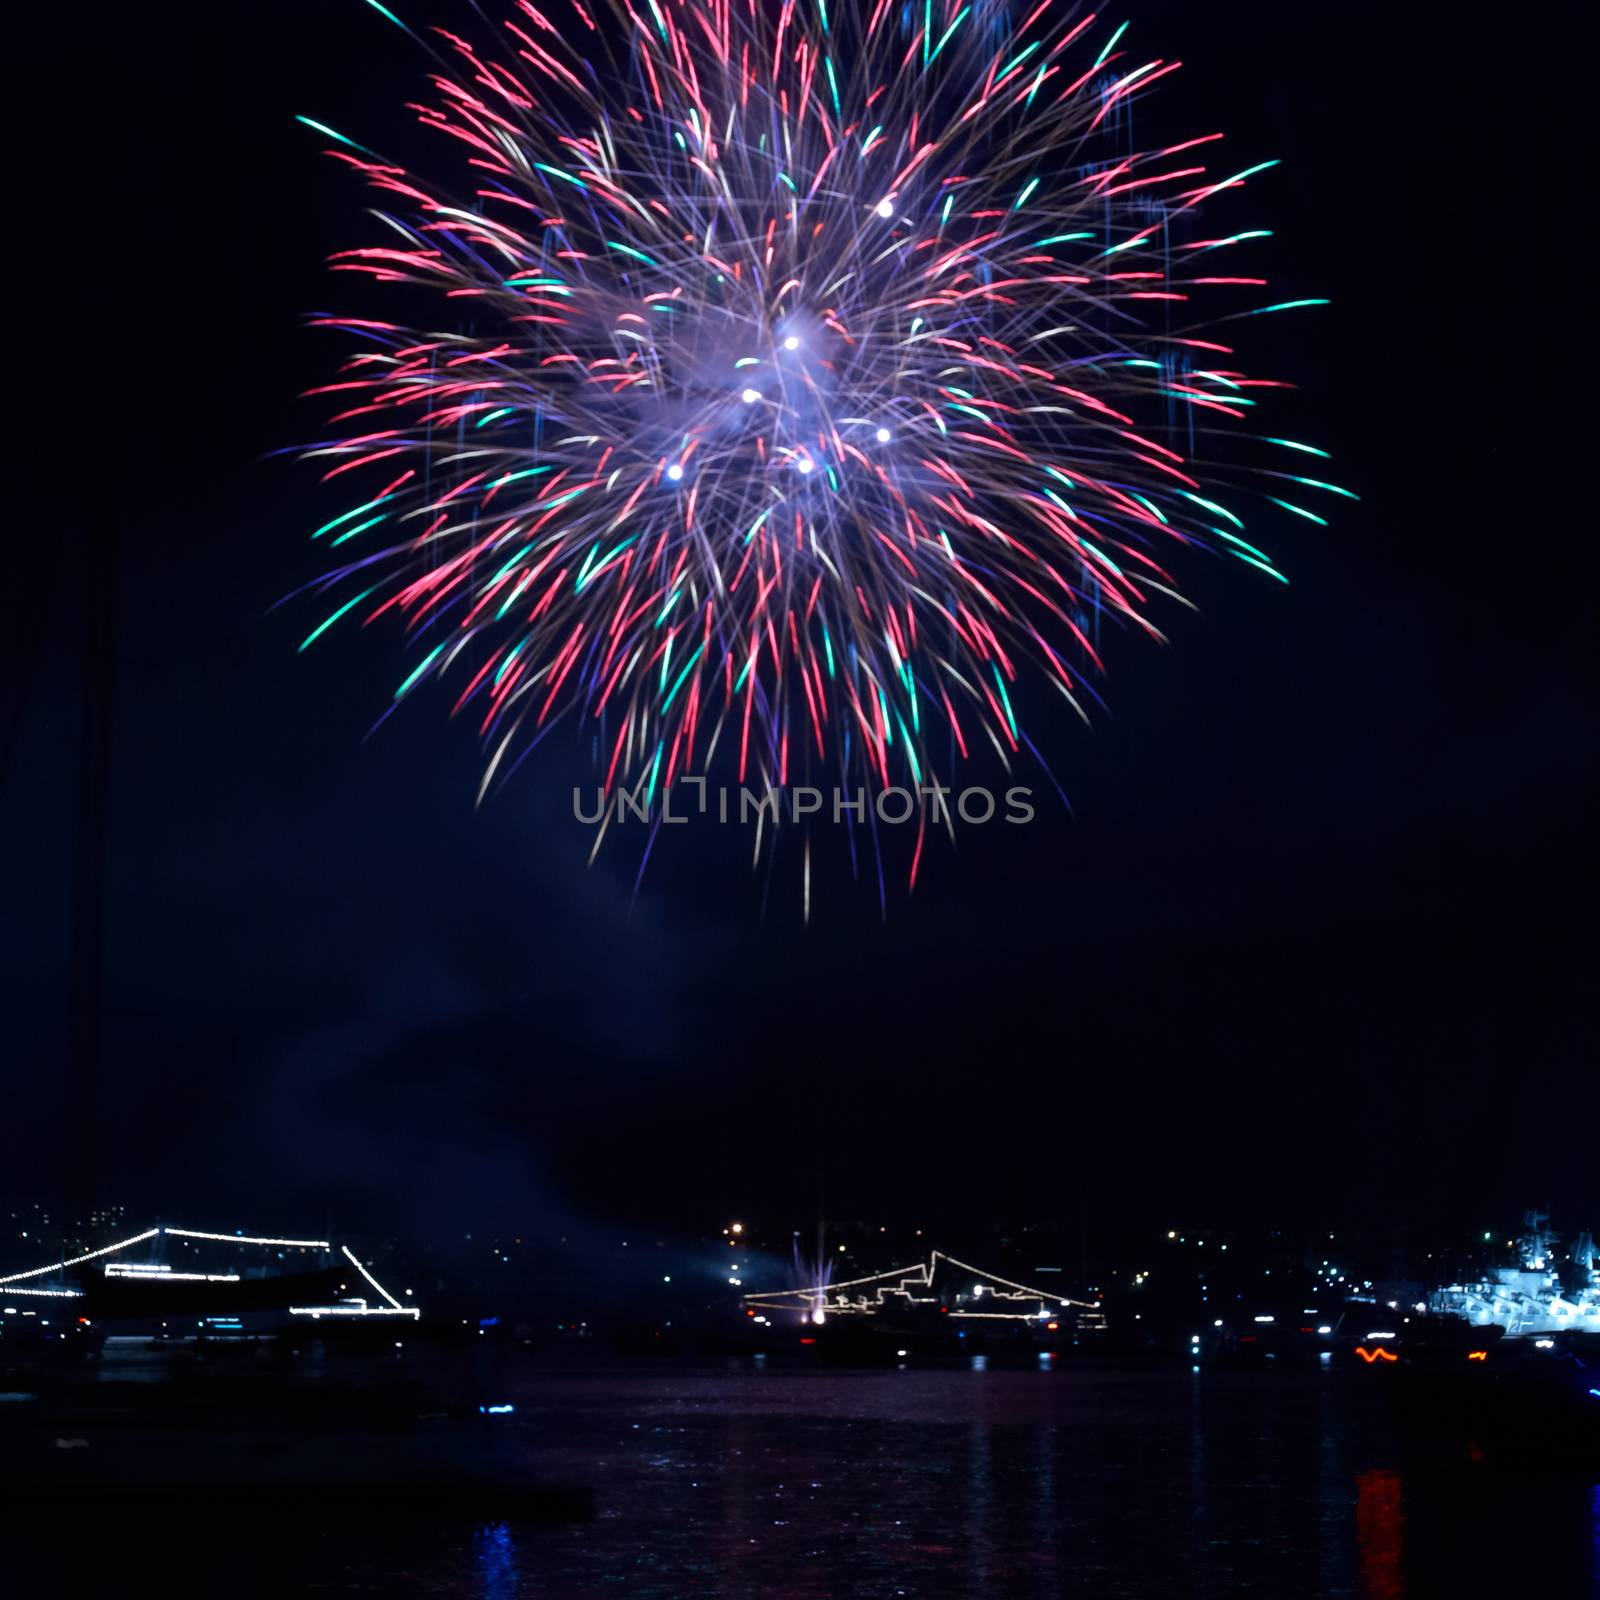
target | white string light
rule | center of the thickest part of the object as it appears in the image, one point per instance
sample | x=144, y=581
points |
x=355, y=1311
x=242, y=1238
x=1004, y=1316
x=77, y=1261
x=373, y=1281
x=1088, y=1305
x=155, y=1274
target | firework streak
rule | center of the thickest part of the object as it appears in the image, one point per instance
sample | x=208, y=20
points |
x=813, y=377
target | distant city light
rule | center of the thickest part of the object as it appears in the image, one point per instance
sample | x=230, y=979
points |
x=791, y=343
x=750, y=396
x=675, y=471
x=883, y=436
x=885, y=208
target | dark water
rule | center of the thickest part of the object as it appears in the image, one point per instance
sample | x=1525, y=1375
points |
x=738, y=1482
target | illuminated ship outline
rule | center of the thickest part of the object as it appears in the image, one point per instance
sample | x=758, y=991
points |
x=154, y=1273
x=908, y=1288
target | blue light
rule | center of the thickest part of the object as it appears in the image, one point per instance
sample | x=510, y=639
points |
x=488, y=1322
x=496, y=1411
x=496, y=1563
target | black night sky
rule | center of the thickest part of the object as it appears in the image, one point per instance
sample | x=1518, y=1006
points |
x=1310, y=948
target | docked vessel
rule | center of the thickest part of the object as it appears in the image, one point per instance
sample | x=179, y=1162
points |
x=937, y=1306
x=1548, y=1292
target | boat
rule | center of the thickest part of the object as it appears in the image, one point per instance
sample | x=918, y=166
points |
x=1546, y=1293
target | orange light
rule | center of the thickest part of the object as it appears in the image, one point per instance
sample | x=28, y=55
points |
x=1052, y=1327
x=1477, y=1355
x=1380, y=1354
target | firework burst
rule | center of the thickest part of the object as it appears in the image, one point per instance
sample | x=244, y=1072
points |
x=795, y=382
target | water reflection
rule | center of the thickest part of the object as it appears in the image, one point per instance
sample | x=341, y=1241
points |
x=1380, y=1525
x=825, y=1485
x=497, y=1567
